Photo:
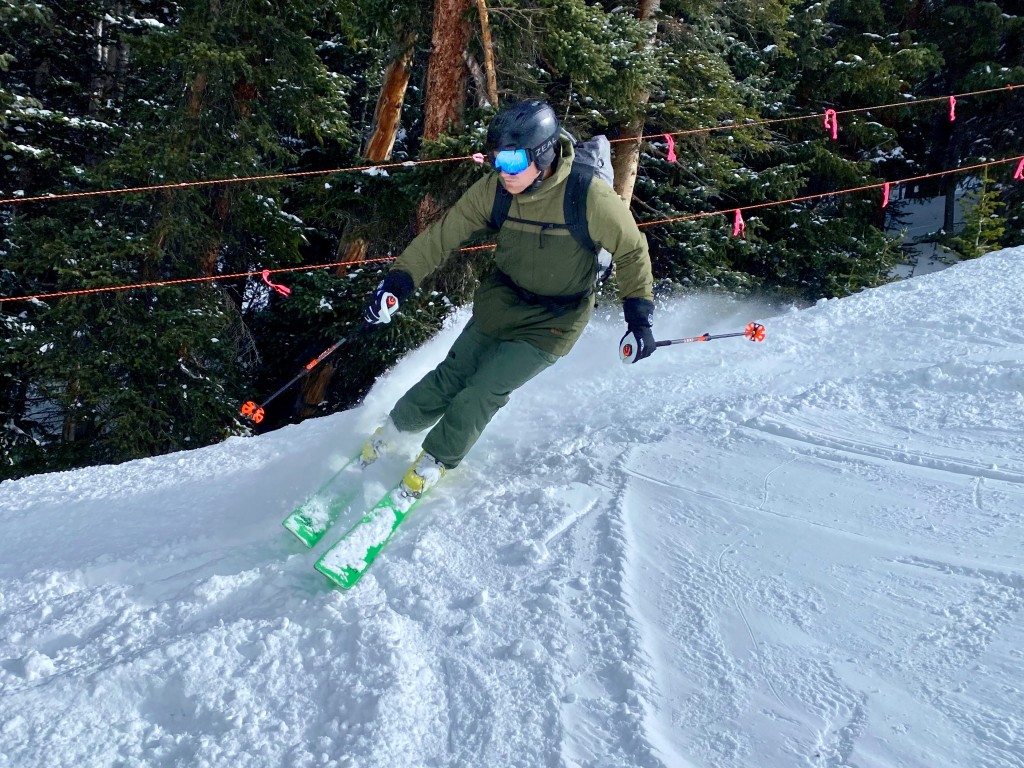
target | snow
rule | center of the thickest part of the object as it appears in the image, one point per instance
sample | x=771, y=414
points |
x=28, y=150
x=805, y=552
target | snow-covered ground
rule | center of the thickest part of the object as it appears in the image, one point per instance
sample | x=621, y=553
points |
x=806, y=552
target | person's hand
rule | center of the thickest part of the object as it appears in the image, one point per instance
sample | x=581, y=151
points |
x=638, y=342
x=392, y=291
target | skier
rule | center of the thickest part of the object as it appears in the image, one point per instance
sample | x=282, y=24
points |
x=534, y=305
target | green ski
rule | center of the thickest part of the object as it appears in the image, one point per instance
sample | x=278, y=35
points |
x=318, y=512
x=354, y=553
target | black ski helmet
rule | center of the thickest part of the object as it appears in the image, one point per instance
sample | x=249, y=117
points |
x=531, y=125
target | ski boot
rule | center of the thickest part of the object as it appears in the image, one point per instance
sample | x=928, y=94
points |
x=381, y=438
x=422, y=475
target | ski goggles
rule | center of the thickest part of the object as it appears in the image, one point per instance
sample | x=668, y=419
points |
x=511, y=161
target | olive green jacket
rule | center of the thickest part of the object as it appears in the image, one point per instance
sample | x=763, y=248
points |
x=548, y=262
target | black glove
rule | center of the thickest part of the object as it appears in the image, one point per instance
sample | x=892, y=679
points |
x=392, y=291
x=638, y=342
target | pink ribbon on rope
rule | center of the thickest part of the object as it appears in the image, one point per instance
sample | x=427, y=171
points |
x=739, y=226
x=284, y=290
x=952, y=108
x=885, y=195
x=1019, y=175
x=832, y=123
x=478, y=157
x=671, y=147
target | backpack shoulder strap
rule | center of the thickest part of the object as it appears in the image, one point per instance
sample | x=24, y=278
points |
x=500, y=207
x=575, y=205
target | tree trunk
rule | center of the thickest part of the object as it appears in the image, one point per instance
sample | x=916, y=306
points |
x=195, y=96
x=912, y=19
x=479, y=80
x=626, y=154
x=446, y=71
x=949, y=208
x=485, y=40
x=221, y=210
x=106, y=64
x=387, y=115
x=446, y=83
x=386, y=121
x=69, y=428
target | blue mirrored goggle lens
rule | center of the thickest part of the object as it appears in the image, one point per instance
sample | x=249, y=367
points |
x=512, y=161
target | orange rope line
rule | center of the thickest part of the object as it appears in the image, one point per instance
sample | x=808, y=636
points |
x=818, y=115
x=188, y=280
x=488, y=246
x=413, y=163
x=819, y=196
x=233, y=180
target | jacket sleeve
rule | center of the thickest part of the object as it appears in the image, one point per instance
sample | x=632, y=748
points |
x=612, y=227
x=436, y=243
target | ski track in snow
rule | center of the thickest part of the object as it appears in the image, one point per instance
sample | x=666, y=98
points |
x=806, y=552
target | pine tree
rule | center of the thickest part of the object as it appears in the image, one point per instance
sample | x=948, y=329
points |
x=981, y=45
x=846, y=55
x=984, y=228
x=57, y=129
x=376, y=209
x=209, y=91
x=711, y=79
x=98, y=95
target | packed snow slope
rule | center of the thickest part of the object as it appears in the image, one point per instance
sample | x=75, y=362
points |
x=806, y=552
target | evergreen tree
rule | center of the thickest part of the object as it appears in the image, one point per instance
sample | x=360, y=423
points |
x=711, y=79
x=843, y=57
x=58, y=127
x=982, y=47
x=378, y=208
x=98, y=95
x=984, y=227
x=211, y=91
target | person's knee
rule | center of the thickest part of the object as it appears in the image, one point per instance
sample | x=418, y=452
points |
x=478, y=403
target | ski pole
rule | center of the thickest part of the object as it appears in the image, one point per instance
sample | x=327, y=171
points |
x=754, y=332
x=628, y=351
x=255, y=412
x=388, y=306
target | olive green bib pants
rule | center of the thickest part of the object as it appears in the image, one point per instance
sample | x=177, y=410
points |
x=463, y=393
